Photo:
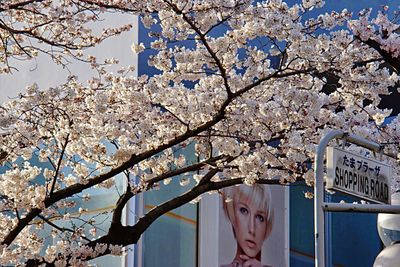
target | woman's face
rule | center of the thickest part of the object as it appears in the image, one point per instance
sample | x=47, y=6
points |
x=250, y=226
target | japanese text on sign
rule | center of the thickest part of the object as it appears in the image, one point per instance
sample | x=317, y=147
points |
x=356, y=175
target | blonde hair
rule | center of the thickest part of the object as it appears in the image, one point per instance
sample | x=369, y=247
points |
x=257, y=194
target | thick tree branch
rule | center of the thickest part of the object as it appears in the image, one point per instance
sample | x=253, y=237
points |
x=18, y=5
x=387, y=56
x=117, y=215
x=22, y=223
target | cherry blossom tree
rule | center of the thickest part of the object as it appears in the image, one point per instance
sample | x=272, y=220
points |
x=252, y=86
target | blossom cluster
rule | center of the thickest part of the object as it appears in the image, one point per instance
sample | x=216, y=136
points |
x=381, y=29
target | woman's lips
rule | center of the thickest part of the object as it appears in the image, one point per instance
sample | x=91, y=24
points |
x=250, y=243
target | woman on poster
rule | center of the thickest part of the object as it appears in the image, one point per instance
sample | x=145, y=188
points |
x=249, y=211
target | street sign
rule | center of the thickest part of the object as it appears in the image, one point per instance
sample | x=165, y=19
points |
x=356, y=175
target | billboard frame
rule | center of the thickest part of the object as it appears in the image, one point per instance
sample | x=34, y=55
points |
x=209, y=227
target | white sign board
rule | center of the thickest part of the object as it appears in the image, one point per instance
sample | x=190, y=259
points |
x=356, y=175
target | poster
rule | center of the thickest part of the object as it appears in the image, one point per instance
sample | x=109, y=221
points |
x=245, y=226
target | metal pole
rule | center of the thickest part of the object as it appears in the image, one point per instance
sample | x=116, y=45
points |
x=358, y=140
x=319, y=236
x=371, y=208
x=320, y=206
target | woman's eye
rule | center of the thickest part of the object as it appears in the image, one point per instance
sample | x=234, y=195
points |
x=260, y=218
x=243, y=210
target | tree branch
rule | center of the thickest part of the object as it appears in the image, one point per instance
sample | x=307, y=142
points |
x=64, y=146
x=387, y=56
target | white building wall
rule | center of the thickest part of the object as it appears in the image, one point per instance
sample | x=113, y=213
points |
x=43, y=71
